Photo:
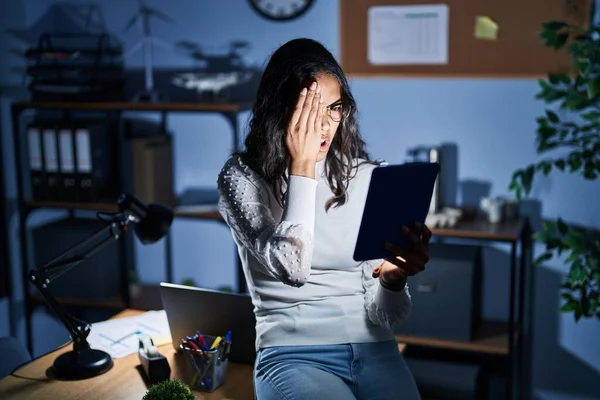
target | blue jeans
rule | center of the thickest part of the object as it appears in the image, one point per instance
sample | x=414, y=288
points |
x=373, y=371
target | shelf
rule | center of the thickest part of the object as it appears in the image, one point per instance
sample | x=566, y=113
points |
x=507, y=231
x=110, y=304
x=207, y=212
x=68, y=205
x=199, y=212
x=491, y=338
x=134, y=106
x=146, y=298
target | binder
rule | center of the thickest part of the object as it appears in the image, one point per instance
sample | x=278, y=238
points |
x=66, y=156
x=96, y=161
x=37, y=175
x=50, y=150
x=83, y=157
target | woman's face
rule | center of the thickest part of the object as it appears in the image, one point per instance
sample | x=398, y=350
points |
x=332, y=111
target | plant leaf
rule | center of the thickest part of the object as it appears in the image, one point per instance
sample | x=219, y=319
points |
x=552, y=116
x=562, y=226
x=578, y=313
x=553, y=26
x=569, y=306
x=593, y=88
x=591, y=116
x=543, y=257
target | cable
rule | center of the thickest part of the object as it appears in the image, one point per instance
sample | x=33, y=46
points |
x=13, y=373
x=108, y=217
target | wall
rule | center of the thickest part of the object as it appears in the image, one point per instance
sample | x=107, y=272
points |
x=491, y=121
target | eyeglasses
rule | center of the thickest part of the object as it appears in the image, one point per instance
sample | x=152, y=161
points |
x=338, y=111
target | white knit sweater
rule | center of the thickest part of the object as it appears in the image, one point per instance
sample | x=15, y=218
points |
x=305, y=286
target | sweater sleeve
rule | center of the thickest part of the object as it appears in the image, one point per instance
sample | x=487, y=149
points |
x=384, y=307
x=284, y=248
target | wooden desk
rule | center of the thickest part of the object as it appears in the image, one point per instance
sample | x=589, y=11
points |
x=123, y=381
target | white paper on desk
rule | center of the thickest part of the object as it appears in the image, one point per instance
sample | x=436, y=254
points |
x=107, y=335
x=408, y=34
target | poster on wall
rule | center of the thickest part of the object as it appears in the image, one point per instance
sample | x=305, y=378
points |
x=404, y=35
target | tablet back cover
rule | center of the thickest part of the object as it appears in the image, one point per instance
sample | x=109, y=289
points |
x=398, y=195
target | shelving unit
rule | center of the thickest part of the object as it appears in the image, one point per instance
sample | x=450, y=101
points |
x=26, y=206
x=5, y=279
x=498, y=346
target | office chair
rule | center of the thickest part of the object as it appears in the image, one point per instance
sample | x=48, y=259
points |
x=13, y=355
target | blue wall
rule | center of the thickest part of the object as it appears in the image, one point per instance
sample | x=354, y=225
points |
x=491, y=121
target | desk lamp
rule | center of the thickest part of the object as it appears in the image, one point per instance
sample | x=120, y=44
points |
x=150, y=223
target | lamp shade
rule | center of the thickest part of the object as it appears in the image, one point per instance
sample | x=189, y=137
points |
x=151, y=222
x=155, y=225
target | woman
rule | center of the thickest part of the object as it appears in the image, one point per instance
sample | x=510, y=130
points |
x=293, y=200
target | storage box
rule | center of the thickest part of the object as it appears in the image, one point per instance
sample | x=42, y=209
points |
x=446, y=297
x=96, y=278
x=152, y=159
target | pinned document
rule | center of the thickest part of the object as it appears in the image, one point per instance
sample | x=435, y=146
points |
x=486, y=28
x=413, y=34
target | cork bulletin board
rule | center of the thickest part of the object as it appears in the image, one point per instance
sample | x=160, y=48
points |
x=454, y=38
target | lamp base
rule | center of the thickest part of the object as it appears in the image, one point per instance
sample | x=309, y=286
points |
x=82, y=364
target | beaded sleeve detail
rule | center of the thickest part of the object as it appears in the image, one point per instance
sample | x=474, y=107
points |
x=284, y=248
x=384, y=307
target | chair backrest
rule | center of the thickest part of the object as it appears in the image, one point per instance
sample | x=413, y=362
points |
x=14, y=354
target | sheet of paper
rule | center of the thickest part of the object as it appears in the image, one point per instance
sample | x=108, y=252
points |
x=119, y=337
x=486, y=28
x=408, y=34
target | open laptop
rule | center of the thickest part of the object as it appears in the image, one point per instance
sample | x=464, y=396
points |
x=190, y=309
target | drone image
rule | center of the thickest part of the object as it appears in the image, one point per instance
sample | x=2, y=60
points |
x=216, y=71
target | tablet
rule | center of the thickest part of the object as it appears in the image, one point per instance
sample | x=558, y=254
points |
x=398, y=195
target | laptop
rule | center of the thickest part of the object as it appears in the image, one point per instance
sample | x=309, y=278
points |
x=190, y=309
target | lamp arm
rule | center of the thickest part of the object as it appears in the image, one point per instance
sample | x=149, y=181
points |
x=43, y=276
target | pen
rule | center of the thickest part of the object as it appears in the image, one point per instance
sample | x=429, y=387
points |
x=191, y=350
x=228, y=336
x=192, y=344
x=216, y=342
x=202, y=342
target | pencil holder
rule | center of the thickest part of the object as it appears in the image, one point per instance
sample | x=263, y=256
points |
x=206, y=370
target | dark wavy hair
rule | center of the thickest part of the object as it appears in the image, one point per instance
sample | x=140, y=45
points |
x=292, y=67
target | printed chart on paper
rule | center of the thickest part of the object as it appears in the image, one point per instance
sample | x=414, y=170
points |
x=408, y=34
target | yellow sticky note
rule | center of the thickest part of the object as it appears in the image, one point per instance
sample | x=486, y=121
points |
x=486, y=28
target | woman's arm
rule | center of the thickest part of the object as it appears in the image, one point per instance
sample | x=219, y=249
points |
x=284, y=248
x=385, y=307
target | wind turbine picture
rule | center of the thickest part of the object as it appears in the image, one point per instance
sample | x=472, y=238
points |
x=142, y=18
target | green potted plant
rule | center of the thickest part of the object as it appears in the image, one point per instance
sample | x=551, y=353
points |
x=169, y=390
x=135, y=287
x=188, y=282
x=225, y=288
x=571, y=145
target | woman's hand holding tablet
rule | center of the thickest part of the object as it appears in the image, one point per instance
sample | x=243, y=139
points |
x=392, y=272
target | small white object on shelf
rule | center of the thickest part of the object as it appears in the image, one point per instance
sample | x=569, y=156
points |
x=445, y=218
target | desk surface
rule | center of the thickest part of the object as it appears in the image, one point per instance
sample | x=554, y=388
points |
x=123, y=381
